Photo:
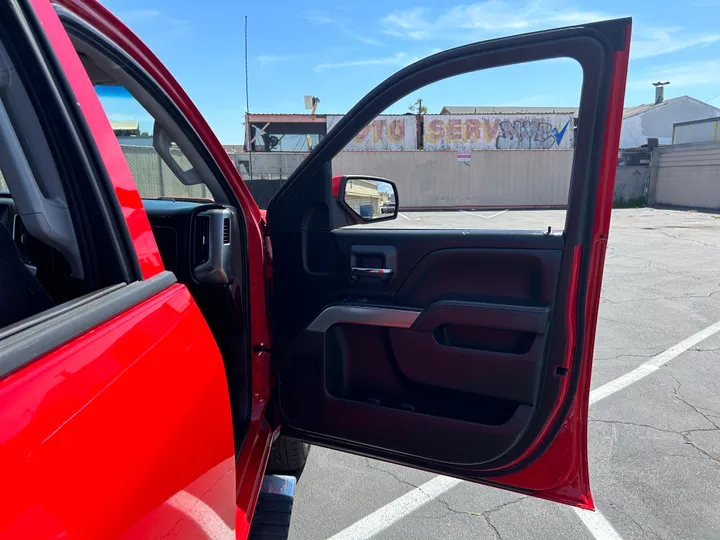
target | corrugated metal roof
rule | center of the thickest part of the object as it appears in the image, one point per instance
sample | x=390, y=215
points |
x=125, y=126
x=450, y=109
x=267, y=116
x=627, y=112
x=288, y=118
x=638, y=109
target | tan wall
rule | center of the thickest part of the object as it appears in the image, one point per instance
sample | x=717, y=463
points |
x=689, y=175
x=492, y=179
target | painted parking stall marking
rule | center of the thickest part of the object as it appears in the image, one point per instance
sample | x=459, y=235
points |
x=595, y=522
x=394, y=511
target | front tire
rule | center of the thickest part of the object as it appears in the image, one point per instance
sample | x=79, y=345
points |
x=288, y=456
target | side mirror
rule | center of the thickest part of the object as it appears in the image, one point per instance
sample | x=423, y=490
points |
x=367, y=198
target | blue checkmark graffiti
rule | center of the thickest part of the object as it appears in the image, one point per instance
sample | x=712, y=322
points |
x=559, y=134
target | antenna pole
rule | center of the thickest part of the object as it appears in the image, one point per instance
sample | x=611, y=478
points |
x=248, y=126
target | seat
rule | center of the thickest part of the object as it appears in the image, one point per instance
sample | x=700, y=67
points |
x=21, y=295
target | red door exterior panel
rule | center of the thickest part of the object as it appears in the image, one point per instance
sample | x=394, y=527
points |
x=124, y=430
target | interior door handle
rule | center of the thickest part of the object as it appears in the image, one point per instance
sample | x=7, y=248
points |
x=382, y=273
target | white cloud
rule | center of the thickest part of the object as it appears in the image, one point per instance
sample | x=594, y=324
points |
x=683, y=75
x=656, y=41
x=139, y=15
x=496, y=18
x=362, y=38
x=320, y=18
x=399, y=59
x=480, y=20
x=162, y=22
x=324, y=18
x=265, y=60
x=410, y=23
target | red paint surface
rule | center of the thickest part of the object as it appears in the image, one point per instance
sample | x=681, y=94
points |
x=336, y=181
x=105, y=22
x=561, y=473
x=113, y=433
x=105, y=139
x=250, y=471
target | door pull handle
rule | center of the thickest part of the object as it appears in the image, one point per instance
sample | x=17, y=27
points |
x=382, y=273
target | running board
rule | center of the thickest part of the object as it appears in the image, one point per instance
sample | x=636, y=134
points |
x=273, y=509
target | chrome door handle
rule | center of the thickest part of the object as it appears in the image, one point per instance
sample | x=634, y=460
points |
x=383, y=273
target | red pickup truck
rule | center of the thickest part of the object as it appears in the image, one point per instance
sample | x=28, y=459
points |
x=152, y=351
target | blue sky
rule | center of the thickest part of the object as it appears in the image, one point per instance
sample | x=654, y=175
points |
x=339, y=51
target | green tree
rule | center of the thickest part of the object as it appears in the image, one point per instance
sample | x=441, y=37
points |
x=418, y=107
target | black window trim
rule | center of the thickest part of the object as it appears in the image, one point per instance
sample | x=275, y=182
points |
x=72, y=139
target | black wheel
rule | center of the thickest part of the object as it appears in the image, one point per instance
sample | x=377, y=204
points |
x=288, y=456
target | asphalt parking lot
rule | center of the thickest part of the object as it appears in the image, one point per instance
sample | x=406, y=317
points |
x=654, y=444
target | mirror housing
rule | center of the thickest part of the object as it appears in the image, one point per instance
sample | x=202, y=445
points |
x=366, y=199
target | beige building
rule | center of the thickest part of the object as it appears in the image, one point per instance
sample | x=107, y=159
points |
x=364, y=197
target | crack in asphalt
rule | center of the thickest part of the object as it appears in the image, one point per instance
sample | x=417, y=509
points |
x=650, y=299
x=700, y=349
x=484, y=515
x=626, y=356
x=448, y=507
x=638, y=524
x=450, y=510
x=676, y=394
x=649, y=263
x=492, y=526
x=368, y=464
x=684, y=434
x=688, y=240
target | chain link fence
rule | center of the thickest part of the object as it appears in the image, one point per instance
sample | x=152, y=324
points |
x=155, y=179
x=152, y=176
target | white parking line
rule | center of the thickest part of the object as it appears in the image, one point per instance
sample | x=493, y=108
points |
x=484, y=216
x=595, y=522
x=403, y=215
x=495, y=214
x=652, y=365
x=598, y=526
x=394, y=511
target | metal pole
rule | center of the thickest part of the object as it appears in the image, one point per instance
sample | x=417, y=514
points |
x=248, y=129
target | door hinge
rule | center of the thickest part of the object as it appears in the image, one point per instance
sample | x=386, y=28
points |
x=261, y=348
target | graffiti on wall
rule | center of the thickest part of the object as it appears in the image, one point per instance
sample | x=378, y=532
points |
x=383, y=133
x=498, y=132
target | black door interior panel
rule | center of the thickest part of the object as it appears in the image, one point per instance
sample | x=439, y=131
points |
x=415, y=246
x=526, y=277
x=528, y=319
x=422, y=359
x=457, y=428
x=458, y=334
x=470, y=384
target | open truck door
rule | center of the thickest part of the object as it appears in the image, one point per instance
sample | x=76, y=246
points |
x=360, y=359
